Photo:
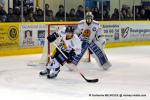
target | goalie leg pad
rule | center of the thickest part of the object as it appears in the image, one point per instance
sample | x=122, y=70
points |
x=98, y=53
x=77, y=58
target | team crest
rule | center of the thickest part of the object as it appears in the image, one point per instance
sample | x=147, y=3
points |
x=94, y=28
x=86, y=33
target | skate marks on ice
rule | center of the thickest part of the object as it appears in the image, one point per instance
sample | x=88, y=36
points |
x=67, y=83
x=21, y=77
x=129, y=73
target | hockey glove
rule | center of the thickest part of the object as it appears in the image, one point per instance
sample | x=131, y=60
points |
x=52, y=37
x=70, y=56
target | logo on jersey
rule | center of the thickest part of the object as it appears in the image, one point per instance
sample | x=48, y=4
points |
x=94, y=28
x=62, y=32
x=86, y=33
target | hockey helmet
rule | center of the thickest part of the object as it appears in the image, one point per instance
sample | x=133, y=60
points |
x=69, y=29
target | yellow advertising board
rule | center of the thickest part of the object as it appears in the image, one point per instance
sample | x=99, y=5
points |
x=9, y=36
x=13, y=35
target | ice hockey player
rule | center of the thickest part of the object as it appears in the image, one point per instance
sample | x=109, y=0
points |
x=69, y=44
x=91, y=31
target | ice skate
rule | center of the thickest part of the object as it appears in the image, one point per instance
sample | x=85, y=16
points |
x=53, y=73
x=44, y=72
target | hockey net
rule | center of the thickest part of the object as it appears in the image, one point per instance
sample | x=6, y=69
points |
x=49, y=47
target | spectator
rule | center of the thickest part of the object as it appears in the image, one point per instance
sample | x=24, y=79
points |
x=100, y=12
x=16, y=3
x=30, y=17
x=17, y=14
x=96, y=13
x=106, y=15
x=3, y=14
x=25, y=11
x=142, y=14
x=124, y=15
x=10, y=16
x=28, y=3
x=60, y=15
x=115, y=15
x=39, y=17
x=80, y=12
x=129, y=15
x=87, y=9
x=46, y=9
x=3, y=18
x=36, y=10
x=30, y=9
x=50, y=16
x=72, y=15
x=147, y=12
x=137, y=15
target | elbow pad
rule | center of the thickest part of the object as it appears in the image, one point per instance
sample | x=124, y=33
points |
x=52, y=37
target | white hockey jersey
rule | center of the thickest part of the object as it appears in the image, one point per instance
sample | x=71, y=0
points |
x=67, y=45
x=93, y=32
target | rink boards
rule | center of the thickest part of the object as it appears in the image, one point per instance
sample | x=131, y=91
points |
x=14, y=41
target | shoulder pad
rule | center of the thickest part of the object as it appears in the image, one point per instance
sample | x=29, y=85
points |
x=81, y=22
x=75, y=35
x=95, y=22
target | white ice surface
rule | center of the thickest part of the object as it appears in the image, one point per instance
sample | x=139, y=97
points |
x=129, y=74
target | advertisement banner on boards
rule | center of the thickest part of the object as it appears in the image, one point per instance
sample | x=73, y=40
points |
x=135, y=31
x=111, y=31
x=126, y=31
x=9, y=36
x=33, y=35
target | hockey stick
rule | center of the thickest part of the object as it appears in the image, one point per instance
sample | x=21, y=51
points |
x=87, y=80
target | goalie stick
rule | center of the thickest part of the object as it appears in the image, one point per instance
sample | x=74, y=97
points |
x=87, y=80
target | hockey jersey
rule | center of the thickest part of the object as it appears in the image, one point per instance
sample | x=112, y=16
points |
x=67, y=45
x=92, y=32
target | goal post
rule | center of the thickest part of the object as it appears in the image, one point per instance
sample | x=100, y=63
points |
x=48, y=48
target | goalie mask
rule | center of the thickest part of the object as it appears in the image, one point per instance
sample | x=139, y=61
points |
x=89, y=18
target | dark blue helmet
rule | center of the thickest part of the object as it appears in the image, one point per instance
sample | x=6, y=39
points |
x=69, y=29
